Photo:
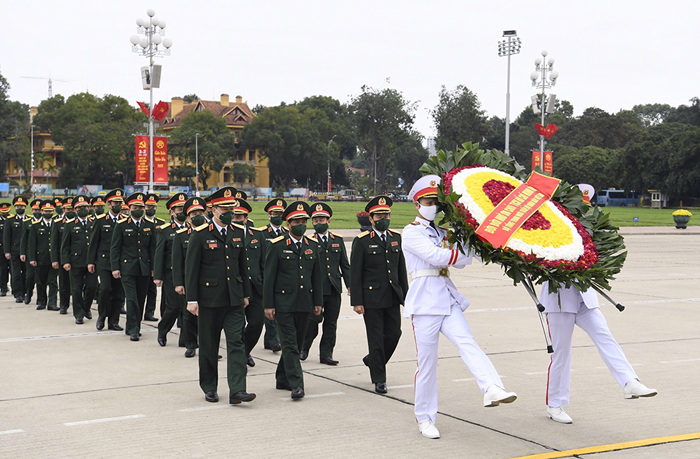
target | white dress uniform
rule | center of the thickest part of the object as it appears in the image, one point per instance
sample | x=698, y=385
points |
x=435, y=305
x=582, y=309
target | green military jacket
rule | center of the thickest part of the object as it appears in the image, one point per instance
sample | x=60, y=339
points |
x=216, y=267
x=57, y=227
x=293, y=278
x=3, y=220
x=334, y=262
x=165, y=235
x=24, y=240
x=12, y=235
x=39, y=243
x=179, y=254
x=377, y=269
x=133, y=248
x=75, y=243
x=255, y=245
x=101, y=241
x=269, y=233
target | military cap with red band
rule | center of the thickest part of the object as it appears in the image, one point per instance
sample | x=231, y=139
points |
x=97, y=201
x=193, y=204
x=225, y=196
x=297, y=209
x=19, y=200
x=276, y=205
x=178, y=200
x=5, y=206
x=68, y=201
x=47, y=205
x=379, y=205
x=116, y=195
x=242, y=207
x=80, y=201
x=152, y=199
x=136, y=199
x=321, y=210
x=36, y=203
x=425, y=187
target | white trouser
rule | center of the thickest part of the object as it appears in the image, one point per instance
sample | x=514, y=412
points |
x=426, y=331
x=561, y=329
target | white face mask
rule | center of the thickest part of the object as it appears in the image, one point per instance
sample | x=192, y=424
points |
x=428, y=212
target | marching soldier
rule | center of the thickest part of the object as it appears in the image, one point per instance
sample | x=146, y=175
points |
x=334, y=265
x=4, y=263
x=23, y=249
x=217, y=290
x=379, y=285
x=98, y=205
x=150, y=311
x=255, y=256
x=162, y=272
x=74, y=258
x=57, y=228
x=131, y=256
x=39, y=257
x=194, y=209
x=293, y=288
x=12, y=236
x=274, y=209
x=111, y=294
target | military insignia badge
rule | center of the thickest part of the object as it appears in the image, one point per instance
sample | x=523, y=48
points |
x=279, y=203
x=119, y=193
x=433, y=184
x=238, y=195
x=382, y=201
x=308, y=252
x=319, y=207
x=227, y=193
x=300, y=207
x=139, y=197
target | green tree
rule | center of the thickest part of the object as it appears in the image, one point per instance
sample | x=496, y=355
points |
x=458, y=118
x=14, y=130
x=592, y=165
x=598, y=128
x=686, y=114
x=652, y=114
x=189, y=98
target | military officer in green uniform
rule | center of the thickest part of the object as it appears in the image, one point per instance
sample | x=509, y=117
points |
x=162, y=272
x=57, y=228
x=4, y=263
x=217, y=290
x=74, y=258
x=12, y=237
x=274, y=209
x=379, y=284
x=150, y=309
x=29, y=280
x=293, y=289
x=131, y=255
x=111, y=293
x=194, y=209
x=255, y=256
x=98, y=205
x=39, y=257
x=334, y=266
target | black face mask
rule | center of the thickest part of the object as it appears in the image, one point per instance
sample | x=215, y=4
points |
x=150, y=212
x=19, y=211
x=70, y=214
x=82, y=213
x=137, y=214
x=181, y=217
x=116, y=209
x=198, y=220
x=59, y=210
x=99, y=210
x=37, y=215
x=210, y=214
x=47, y=216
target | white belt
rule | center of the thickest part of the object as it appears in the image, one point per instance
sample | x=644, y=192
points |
x=442, y=272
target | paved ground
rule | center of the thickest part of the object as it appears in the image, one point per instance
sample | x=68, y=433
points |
x=70, y=391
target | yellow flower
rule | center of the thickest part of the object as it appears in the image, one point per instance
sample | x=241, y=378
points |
x=682, y=213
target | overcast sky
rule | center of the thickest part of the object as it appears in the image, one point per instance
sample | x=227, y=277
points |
x=610, y=54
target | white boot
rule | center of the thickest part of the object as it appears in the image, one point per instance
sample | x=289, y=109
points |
x=495, y=396
x=557, y=413
x=428, y=429
x=635, y=389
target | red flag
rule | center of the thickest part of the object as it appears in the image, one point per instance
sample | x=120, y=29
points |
x=548, y=131
x=143, y=108
x=160, y=110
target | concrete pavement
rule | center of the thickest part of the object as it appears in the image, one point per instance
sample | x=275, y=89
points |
x=71, y=391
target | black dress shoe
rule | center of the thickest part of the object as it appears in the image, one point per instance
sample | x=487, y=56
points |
x=241, y=396
x=365, y=360
x=297, y=393
x=79, y=321
x=115, y=327
x=250, y=362
x=52, y=308
x=329, y=361
x=40, y=307
x=162, y=340
x=276, y=347
x=303, y=355
x=134, y=337
x=282, y=386
x=27, y=299
x=211, y=396
x=3, y=292
x=88, y=314
x=122, y=311
x=380, y=388
x=100, y=324
x=220, y=357
x=150, y=319
x=19, y=299
x=189, y=353
x=63, y=311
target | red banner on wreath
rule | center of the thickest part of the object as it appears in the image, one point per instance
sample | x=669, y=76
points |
x=544, y=162
x=142, y=162
x=160, y=160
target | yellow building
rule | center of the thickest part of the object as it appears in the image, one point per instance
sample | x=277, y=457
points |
x=237, y=114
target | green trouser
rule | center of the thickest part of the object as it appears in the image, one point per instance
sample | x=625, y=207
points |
x=173, y=305
x=272, y=335
x=110, y=297
x=292, y=328
x=64, y=287
x=4, y=272
x=135, y=290
x=383, y=332
x=29, y=279
x=18, y=273
x=211, y=321
x=255, y=318
x=188, y=331
x=46, y=276
x=329, y=317
x=82, y=288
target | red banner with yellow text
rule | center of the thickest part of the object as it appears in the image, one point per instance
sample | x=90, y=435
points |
x=543, y=161
x=511, y=213
x=142, y=162
x=160, y=160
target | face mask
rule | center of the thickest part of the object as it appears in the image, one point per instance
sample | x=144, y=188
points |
x=70, y=214
x=137, y=214
x=116, y=209
x=99, y=211
x=298, y=230
x=428, y=212
x=47, y=216
x=37, y=215
x=226, y=217
x=150, y=212
x=321, y=228
x=82, y=213
x=383, y=224
x=19, y=211
x=277, y=221
x=59, y=210
x=210, y=214
x=181, y=217
x=198, y=220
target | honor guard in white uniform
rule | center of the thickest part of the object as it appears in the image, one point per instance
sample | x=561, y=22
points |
x=563, y=310
x=435, y=306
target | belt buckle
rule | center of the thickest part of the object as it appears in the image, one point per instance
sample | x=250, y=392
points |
x=444, y=272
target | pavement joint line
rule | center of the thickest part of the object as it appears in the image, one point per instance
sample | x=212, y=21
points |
x=70, y=335
x=203, y=408
x=679, y=361
x=614, y=447
x=329, y=394
x=12, y=431
x=97, y=421
x=402, y=386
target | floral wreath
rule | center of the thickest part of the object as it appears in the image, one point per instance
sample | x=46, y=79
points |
x=566, y=241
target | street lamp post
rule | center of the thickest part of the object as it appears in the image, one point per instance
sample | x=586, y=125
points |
x=196, y=161
x=507, y=48
x=544, y=67
x=147, y=46
x=329, y=163
x=31, y=180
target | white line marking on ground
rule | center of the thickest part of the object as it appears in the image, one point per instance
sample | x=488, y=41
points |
x=534, y=373
x=679, y=361
x=463, y=380
x=329, y=394
x=203, y=408
x=7, y=432
x=96, y=421
x=404, y=386
x=71, y=335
